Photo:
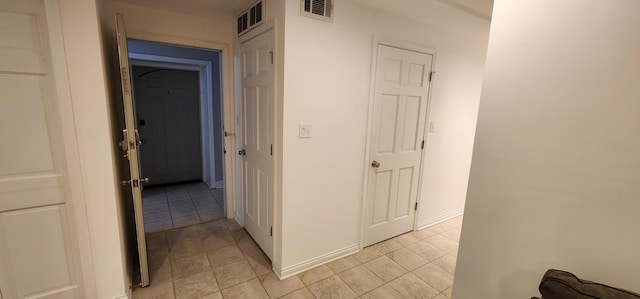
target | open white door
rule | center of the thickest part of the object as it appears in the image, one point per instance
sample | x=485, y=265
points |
x=399, y=116
x=130, y=143
x=257, y=138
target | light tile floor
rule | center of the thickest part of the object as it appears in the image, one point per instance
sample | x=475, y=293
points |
x=181, y=205
x=220, y=260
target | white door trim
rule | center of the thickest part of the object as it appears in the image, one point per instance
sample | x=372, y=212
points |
x=383, y=41
x=74, y=188
x=228, y=101
x=205, y=72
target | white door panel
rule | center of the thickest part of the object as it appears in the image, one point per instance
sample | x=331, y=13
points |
x=399, y=116
x=38, y=256
x=257, y=138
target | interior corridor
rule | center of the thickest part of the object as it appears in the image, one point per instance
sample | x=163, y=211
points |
x=220, y=260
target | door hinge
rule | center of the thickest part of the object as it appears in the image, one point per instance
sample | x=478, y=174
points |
x=271, y=231
x=415, y=208
x=272, y=149
x=422, y=146
x=431, y=76
x=271, y=56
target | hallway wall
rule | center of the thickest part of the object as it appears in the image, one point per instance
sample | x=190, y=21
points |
x=554, y=179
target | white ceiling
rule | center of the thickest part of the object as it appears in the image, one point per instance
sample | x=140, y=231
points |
x=232, y=8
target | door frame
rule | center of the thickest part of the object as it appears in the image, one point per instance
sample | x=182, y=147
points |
x=227, y=98
x=409, y=46
x=205, y=74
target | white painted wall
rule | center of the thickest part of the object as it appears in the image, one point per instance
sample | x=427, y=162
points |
x=326, y=83
x=83, y=52
x=554, y=181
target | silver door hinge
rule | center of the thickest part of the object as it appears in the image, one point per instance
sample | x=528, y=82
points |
x=271, y=56
x=422, y=146
x=415, y=208
x=271, y=231
x=431, y=76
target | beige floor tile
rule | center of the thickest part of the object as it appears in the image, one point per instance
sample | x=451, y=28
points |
x=427, y=251
x=189, y=265
x=225, y=255
x=453, y=234
x=214, y=239
x=367, y=254
x=447, y=292
x=177, y=236
x=435, y=277
x=407, y=239
x=155, y=291
x=157, y=240
x=300, y=294
x=232, y=274
x=385, y=291
x=360, y=279
x=385, y=268
x=249, y=247
x=277, y=288
x=216, y=295
x=196, y=285
x=186, y=248
x=443, y=243
x=388, y=246
x=425, y=233
x=332, y=287
x=447, y=263
x=260, y=263
x=410, y=286
x=407, y=259
x=440, y=227
x=440, y=296
x=246, y=290
x=342, y=264
x=316, y=274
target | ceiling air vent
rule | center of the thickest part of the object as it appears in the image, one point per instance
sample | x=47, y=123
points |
x=251, y=17
x=318, y=9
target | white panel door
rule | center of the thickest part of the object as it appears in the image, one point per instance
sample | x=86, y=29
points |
x=257, y=138
x=399, y=116
x=168, y=111
x=130, y=144
x=38, y=247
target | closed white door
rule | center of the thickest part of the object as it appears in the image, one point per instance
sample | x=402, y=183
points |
x=257, y=138
x=38, y=245
x=399, y=116
x=130, y=143
x=168, y=110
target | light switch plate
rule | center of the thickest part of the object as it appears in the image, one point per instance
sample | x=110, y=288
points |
x=304, y=131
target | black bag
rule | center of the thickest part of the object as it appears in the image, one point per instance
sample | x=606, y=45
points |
x=557, y=284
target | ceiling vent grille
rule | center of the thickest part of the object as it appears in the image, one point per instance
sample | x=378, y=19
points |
x=318, y=9
x=251, y=18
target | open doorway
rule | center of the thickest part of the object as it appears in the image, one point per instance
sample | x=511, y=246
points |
x=178, y=110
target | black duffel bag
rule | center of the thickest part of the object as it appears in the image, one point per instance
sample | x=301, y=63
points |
x=557, y=284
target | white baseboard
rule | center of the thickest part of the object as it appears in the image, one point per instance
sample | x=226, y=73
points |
x=316, y=261
x=218, y=184
x=441, y=218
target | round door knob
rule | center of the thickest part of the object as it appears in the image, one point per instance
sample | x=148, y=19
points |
x=375, y=164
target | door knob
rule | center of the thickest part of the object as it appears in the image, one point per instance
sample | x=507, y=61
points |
x=242, y=152
x=375, y=164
